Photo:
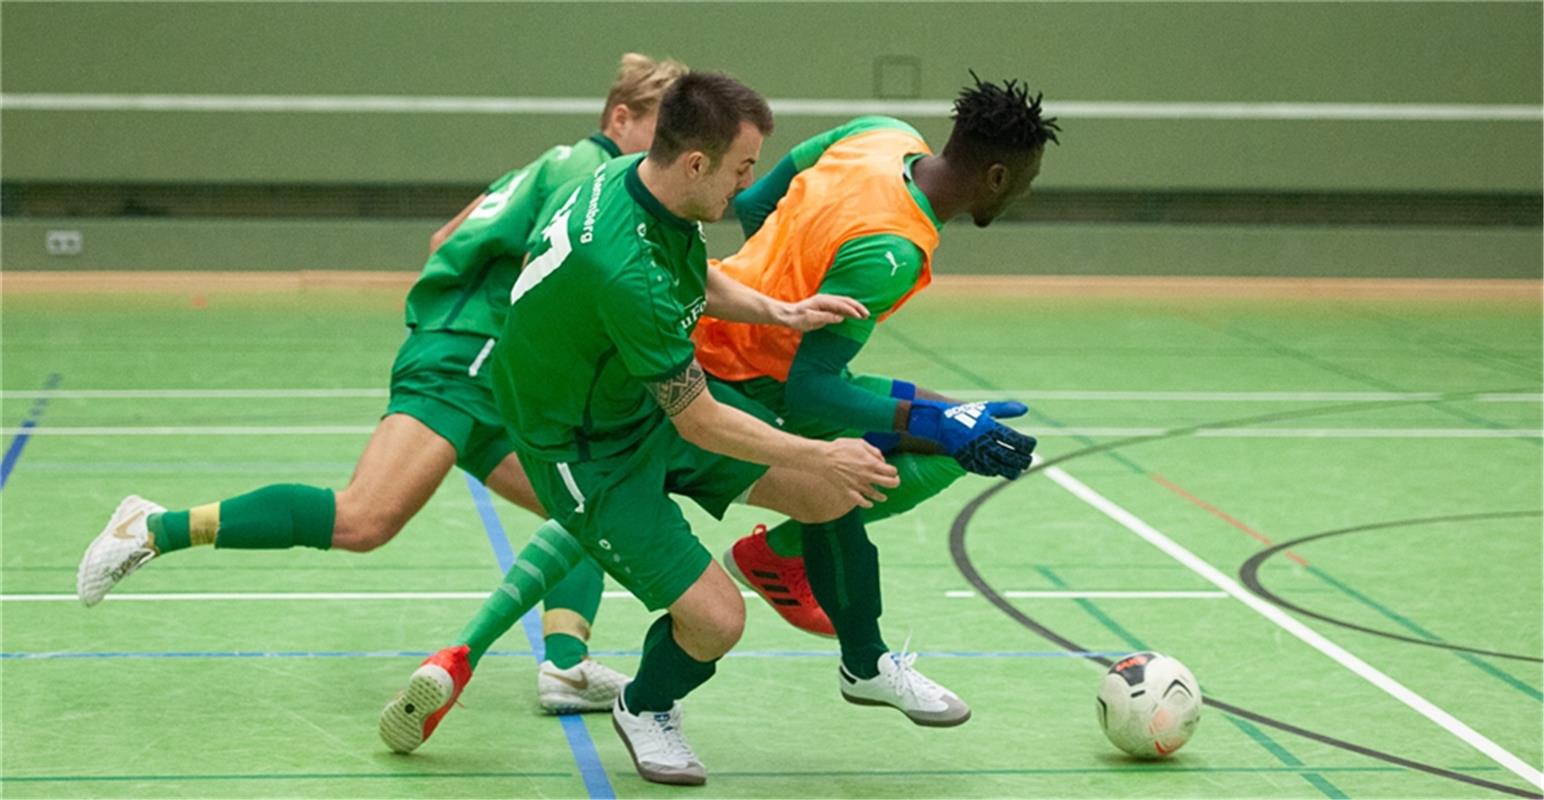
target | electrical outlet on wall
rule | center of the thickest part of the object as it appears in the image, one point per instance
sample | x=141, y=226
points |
x=64, y=243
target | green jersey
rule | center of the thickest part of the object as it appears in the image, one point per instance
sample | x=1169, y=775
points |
x=607, y=303
x=465, y=285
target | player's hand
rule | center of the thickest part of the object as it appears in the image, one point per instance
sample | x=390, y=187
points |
x=819, y=311
x=858, y=468
x=971, y=434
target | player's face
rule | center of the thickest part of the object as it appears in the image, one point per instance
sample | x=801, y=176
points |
x=734, y=173
x=1013, y=184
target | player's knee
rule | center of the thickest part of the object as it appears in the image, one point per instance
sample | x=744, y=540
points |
x=359, y=528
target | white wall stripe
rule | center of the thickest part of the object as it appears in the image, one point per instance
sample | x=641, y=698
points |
x=1040, y=433
x=1307, y=635
x=1090, y=395
x=797, y=107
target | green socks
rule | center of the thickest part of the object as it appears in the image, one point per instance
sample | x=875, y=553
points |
x=843, y=569
x=922, y=477
x=666, y=674
x=570, y=611
x=543, y=562
x=271, y=518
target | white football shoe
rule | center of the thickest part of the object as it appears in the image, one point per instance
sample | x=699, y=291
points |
x=899, y=685
x=658, y=748
x=123, y=546
x=586, y=686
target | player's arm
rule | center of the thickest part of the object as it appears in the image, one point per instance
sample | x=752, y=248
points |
x=438, y=238
x=728, y=299
x=853, y=464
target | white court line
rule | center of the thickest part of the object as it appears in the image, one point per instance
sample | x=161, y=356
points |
x=1091, y=395
x=799, y=107
x=173, y=597
x=1096, y=595
x=1309, y=636
x=1044, y=433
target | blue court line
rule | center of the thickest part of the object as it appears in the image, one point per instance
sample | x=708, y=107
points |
x=537, y=653
x=590, y=769
x=35, y=413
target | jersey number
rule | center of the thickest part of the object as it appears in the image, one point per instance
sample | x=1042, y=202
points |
x=494, y=203
x=556, y=234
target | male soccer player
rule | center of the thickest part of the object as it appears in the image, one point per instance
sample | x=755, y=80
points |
x=440, y=412
x=597, y=380
x=857, y=213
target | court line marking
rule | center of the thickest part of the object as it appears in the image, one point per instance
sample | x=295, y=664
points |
x=1307, y=635
x=1091, y=395
x=24, y=431
x=591, y=771
x=173, y=597
x=800, y=107
x=1047, y=433
x=1097, y=595
x=66, y=655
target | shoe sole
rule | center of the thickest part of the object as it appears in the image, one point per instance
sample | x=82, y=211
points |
x=402, y=721
x=923, y=721
x=734, y=572
x=673, y=779
x=563, y=707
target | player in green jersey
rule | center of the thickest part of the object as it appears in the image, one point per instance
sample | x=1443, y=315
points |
x=440, y=413
x=597, y=380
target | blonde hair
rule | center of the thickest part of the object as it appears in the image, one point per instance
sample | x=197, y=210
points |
x=641, y=82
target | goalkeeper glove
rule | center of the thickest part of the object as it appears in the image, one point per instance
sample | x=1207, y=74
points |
x=971, y=434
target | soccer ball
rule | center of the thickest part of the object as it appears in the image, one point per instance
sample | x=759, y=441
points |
x=1149, y=705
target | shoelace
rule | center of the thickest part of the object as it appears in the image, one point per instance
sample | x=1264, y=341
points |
x=674, y=741
x=907, y=680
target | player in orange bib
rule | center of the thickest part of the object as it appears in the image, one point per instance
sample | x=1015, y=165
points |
x=856, y=212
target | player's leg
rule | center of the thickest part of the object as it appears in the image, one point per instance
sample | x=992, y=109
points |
x=567, y=680
x=842, y=567
x=398, y=471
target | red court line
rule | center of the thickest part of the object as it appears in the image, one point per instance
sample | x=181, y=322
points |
x=1222, y=515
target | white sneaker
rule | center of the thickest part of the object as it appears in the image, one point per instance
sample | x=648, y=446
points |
x=123, y=546
x=901, y=686
x=658, y=748
x=586, y=686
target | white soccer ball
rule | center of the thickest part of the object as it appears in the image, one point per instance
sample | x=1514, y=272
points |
x=1149, y=705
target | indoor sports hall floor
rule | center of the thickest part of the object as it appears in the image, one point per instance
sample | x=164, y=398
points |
x=1186, y=434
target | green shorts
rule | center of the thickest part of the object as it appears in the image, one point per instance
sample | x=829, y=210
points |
x=620, y=510
x=438, y=379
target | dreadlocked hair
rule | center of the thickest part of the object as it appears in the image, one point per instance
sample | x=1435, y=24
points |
x=993, y=120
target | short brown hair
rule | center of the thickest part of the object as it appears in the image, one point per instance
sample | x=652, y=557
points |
x=641, y=82
x=704, y=111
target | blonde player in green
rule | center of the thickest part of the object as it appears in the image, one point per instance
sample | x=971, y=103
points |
x=440, y=414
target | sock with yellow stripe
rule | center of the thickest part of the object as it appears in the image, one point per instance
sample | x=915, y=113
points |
x=543, y=562
x=271, y=518
x=570, y=611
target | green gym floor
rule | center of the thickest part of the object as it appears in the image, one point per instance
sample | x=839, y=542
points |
x=1185, y=435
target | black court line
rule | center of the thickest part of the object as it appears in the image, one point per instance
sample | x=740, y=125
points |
x=962, y=561
x=968, y=570
x=1249, y=574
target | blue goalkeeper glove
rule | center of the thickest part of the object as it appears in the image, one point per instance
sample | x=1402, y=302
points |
x=971, y=434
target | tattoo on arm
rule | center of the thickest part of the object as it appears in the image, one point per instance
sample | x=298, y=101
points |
x=675, y=394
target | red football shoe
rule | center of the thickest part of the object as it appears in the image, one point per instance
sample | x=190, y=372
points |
x=409, y=720
x=780, y=580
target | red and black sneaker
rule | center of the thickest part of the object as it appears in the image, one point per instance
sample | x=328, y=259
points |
x=780, y=580
x=409, y=720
